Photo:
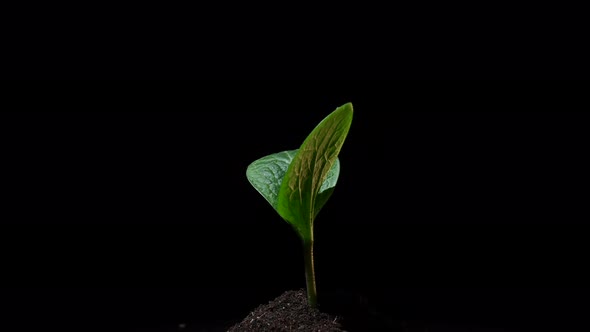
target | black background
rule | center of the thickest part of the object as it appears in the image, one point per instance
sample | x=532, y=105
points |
x=245, y=41
x=126, y=205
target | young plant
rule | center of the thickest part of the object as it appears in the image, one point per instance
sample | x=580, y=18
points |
x=297, y=183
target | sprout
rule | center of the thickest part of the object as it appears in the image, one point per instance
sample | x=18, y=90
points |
x=297, y=183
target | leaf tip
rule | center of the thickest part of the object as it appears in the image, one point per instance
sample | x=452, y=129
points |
x=345, y=109
x=348, y=107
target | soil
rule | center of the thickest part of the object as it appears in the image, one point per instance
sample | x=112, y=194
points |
x=288, y=312
x=338, y=313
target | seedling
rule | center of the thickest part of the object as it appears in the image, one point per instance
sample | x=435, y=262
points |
x=297, y=183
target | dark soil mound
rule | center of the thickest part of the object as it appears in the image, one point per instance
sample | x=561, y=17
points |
x=288, y=312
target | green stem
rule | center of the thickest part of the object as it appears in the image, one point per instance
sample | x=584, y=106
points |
x=312, y=296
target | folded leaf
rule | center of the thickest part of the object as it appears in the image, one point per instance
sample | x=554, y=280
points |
x=299, y=199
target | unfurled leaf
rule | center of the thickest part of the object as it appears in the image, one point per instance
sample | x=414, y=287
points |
x=267, y=173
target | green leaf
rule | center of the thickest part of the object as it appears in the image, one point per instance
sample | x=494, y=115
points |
x=300, y=197
x=267, y=173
